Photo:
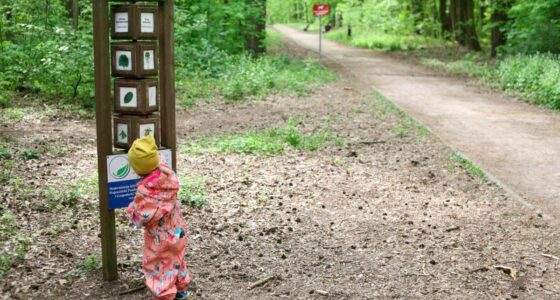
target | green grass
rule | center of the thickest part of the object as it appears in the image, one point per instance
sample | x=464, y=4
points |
x=12, y=114
x=8, y=226
x=406, y=126
x=247, y=77
x=217, y=75
x=459, y=161
x=536, y=77
x=270, y=142
x=362, y=38
x=193, y=191
x=89, y=264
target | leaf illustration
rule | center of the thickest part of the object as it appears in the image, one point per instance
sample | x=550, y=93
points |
x=147, y=55
x=123, y=135
x=128, y=97
x=123, y=61
x=122, y=172
x=148, y=131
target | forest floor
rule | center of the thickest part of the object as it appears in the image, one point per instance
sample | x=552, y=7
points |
x=516, y=143
x=389, y=212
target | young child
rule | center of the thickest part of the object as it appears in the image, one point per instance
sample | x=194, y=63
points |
x=155, y=207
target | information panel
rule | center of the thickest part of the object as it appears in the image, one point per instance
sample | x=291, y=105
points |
x=123, y=180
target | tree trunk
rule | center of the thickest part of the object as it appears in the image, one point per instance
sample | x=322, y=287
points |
x=444, y=17
x=499, y=18
x=462, y=22
x=257, y=28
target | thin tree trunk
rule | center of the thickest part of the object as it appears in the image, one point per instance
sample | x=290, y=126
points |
x=499, y=18
x=257, y=29
x=444, y=17
x=462, y=22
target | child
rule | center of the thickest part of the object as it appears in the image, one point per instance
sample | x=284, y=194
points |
x=155, y=207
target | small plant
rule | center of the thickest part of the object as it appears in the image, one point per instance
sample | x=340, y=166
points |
x=272, y=141
x=29, y=155
x=5, y=153
x=193, y=191
x=8, y=226
x=90, y=264
x=58, y=199
x=13, y=114
x=459, y=161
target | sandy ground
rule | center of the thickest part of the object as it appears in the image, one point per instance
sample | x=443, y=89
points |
x=516, y=143
x=385, y=216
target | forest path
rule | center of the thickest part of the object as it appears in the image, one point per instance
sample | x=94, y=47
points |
x=515, y=143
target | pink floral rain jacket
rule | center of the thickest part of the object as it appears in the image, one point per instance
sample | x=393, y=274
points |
x=155, y=207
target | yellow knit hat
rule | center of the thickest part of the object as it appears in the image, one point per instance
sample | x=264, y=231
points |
x=143, y=155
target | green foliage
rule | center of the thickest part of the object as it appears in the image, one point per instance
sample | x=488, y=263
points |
x=472, y=65
x=90, y=264
x=29, y=155
x=384, y=41
x=536, y=77
x=271, y=142
x=193, y=191
x=459, y=161
x=58, y=198
x=248, y=77
x=8, y=226
x=12, y=114
x=535, y=27
x=5, y=153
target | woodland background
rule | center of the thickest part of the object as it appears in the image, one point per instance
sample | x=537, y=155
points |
x=46, y=46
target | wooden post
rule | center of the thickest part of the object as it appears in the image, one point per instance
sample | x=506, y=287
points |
x=104, y=137
x=167, y=79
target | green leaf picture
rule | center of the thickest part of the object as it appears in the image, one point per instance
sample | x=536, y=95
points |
x=128, y=97
x=147, y=131
x=123, y=61
x=147, y=55
x=123, y=135
x=122, y=172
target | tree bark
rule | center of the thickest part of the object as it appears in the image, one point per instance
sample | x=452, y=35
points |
x=499, y=18
x=257, y=28
x=462, y=20
x=444, y=18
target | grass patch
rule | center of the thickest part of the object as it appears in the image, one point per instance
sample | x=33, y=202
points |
x=382, y=41
x=29, y=155
x=406, y=126
x=459, y=161
x=536, y=77
x=8, y=226
x=247, y=77
x=90, y=264
x=270, y=142
x=12, y=114
x=193, y=191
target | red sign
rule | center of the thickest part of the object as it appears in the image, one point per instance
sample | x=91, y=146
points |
x=321, y=9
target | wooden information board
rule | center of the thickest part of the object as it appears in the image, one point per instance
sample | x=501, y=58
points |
x=140, y=58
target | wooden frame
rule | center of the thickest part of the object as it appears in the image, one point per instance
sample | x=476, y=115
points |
x=132, y=126
x=136, y=20
x=134, y=59
x=143, y=96
x=104, y=130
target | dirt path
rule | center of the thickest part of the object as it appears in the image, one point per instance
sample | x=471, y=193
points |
x=516, y=143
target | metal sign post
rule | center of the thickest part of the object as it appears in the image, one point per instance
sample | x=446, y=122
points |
x=141, y=49
x=320, y=10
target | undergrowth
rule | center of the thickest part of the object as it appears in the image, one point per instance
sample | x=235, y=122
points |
x=459, y=161
x=271, y=141
x=383, y=41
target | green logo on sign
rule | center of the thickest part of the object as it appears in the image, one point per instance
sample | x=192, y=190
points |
x=123, y=61
x=147, y=131
x=128, y=97
x=122, y=172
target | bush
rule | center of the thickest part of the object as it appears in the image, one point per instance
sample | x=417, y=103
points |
x=536, y=77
